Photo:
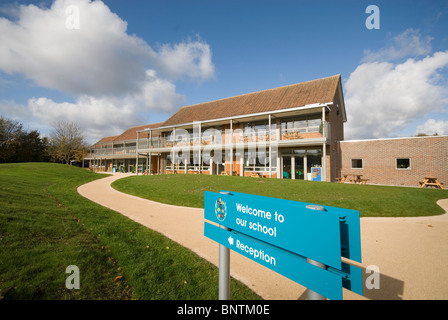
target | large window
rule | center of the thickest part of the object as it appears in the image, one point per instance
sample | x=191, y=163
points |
x=259, y=161
x=258, y=130
x=310, y=123
x=212, y=135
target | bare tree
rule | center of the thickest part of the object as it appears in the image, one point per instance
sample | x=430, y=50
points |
x=67, y=142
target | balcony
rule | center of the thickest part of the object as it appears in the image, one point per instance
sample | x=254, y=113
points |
x=323, y=131
x=110, y=152
x=286, y=136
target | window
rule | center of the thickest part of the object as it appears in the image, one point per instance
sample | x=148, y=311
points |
x=356, y=163
x=314, y=124
x=259, y=161
x=403, y=163
x=310, y=123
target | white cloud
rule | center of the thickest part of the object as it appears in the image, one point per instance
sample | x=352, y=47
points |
x=407, y=44
x=101, y=116
x=172, y=60
x=100, y=58
x=158, y=94
x=117, y=78
x=432, y=126
x=384, y=98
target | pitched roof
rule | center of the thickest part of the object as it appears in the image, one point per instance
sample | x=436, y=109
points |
x=292, y=96
x=131, y=133
x=105, y=140
x=296, y=95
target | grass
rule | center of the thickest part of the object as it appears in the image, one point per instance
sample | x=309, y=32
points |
x=369, y=200
x=45, y=226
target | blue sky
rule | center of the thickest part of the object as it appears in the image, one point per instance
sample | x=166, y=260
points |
x=137, y=62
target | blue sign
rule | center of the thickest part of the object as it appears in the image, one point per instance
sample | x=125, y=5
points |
x=291, y=266
x=316, y=174
x=290, y=225
x=278, y=233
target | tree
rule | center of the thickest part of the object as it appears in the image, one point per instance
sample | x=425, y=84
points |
x=67, y=142
x=32, y=148
x=19, y=145
x=9, y=138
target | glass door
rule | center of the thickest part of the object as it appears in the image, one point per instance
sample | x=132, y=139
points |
x=286, y=160
x=299, y=167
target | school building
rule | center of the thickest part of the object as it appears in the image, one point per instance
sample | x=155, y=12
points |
x=293, y=132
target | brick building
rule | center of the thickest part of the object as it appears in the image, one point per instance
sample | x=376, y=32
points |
x=400, y=161
x=298, y=128
x=295, y=128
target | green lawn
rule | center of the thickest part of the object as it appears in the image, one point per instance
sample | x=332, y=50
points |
x=370, y=200
x=45, y=226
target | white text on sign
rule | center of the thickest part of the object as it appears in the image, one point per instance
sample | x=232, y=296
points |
x=262, y=214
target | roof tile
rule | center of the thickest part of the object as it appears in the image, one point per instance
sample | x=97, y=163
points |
x=296, y=95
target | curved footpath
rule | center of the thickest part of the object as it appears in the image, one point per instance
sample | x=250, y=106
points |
x=411, y=253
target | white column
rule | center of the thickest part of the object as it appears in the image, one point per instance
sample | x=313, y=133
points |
x=279, y=166
x=324, y=148
x=231, y=147
x=324, y=162
x=270, y=147
x=172, y=150
x=293, y=167
x=200, y=148
x=136, y=151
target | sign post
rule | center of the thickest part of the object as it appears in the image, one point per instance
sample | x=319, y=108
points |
x=310, y=293
x=224, y=271
x=301, y=241
x=224, y=266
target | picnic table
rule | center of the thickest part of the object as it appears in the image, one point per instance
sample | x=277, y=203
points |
x=431, y=182
x=354, y=178
x=227, y=173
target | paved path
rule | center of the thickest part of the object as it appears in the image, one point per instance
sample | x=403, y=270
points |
x=411, y=253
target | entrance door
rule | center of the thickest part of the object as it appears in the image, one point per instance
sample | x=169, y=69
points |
x=286, y=167
x=299, y=167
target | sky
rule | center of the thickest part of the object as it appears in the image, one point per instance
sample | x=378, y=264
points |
x=112, y=64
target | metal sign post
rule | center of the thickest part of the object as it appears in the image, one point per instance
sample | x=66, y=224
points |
x=311, y=295
x=224, y=267
x=224, y=271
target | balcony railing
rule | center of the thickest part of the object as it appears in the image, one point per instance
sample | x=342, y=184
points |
x=322, y=131
x=101, y=152
x=238, y=137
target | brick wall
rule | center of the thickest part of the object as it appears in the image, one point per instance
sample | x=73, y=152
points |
x=336, y=120
x=428, y=157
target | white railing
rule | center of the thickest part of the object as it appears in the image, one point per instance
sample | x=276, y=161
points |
x=239, y=136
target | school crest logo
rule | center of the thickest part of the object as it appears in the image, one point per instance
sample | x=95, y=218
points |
x=220, y=209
